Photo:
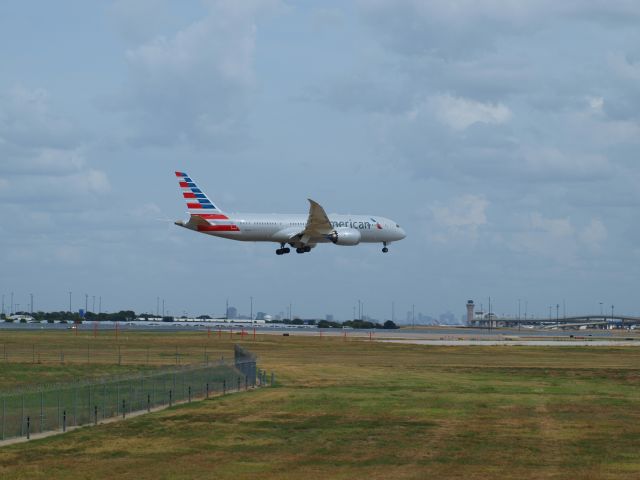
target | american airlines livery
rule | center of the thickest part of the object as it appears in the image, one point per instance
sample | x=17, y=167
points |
x=302, y=232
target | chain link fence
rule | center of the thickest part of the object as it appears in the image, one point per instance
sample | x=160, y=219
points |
x=96, y=352
x=58, y=407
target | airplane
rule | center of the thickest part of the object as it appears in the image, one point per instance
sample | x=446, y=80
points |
x=302, y=232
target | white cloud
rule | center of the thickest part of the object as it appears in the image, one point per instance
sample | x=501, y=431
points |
x=555, y=228
x=594, y=234
x=466, y=211
x=555, y=165
x=457, y=221
x=459, y=113
x=559, y=239
x=194, y=85
x=42, y=152
x=462, y=28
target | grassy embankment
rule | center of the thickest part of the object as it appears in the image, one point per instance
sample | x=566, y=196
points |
x=358, y=409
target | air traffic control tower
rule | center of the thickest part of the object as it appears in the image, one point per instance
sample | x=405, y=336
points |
x=470, y=308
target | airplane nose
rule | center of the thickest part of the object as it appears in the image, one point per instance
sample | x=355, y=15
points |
x=401, y=233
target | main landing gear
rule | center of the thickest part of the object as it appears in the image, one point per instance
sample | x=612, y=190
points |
x=282, y=250
x=303, y=250
x=384, y=249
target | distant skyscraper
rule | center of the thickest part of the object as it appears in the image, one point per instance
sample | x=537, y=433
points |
x=232, y=312
x=328, y=317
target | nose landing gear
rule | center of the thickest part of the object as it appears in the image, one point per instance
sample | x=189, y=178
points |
x=384, y=248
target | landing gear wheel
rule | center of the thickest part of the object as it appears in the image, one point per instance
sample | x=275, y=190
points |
x=282, y=250
x=385, y=250
x=299, y=250
x=307, y=249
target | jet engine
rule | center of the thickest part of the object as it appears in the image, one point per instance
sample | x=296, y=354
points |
x=345, y=236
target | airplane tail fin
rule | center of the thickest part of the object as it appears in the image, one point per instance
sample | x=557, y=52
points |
x=197, y=201
x=204, y=215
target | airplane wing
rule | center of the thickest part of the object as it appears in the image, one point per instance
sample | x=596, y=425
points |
x=318, y=223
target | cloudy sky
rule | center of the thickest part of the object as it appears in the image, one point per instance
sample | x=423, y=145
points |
x=503, y=136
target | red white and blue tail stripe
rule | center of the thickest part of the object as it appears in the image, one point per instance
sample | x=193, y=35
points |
x=208, y=218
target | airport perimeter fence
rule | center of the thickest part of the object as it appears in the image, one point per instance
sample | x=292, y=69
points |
x=62, y=406
x=92, y=352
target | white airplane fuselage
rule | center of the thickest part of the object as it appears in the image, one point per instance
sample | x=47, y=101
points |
x=303, y=232
x=276, y=227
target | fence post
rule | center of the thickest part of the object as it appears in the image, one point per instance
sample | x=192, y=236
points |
x=189, y=393
x=170, y=397
x=272, y=378
x=64, y=420
x=124, y=406
x=148, y=402
x=28, y=428
x=246, y=382
x=95, y=411
x=207, y=389
x=41, y=410
x=224, y=386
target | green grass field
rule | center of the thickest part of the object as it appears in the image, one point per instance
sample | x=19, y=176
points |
x=359, y=409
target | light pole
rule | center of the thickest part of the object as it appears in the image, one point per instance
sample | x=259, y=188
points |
x=100, y=305
x=86, y=302
x=251, y=307
x=557, y=314
x=393, y=310
x=413, y=316
x=69, y=301
x=11, y=303
x=489, y=313
x=601, y=313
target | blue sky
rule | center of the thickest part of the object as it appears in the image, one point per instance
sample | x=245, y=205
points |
x=503, y=136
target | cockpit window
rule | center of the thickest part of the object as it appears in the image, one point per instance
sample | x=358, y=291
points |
x=398, y=226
